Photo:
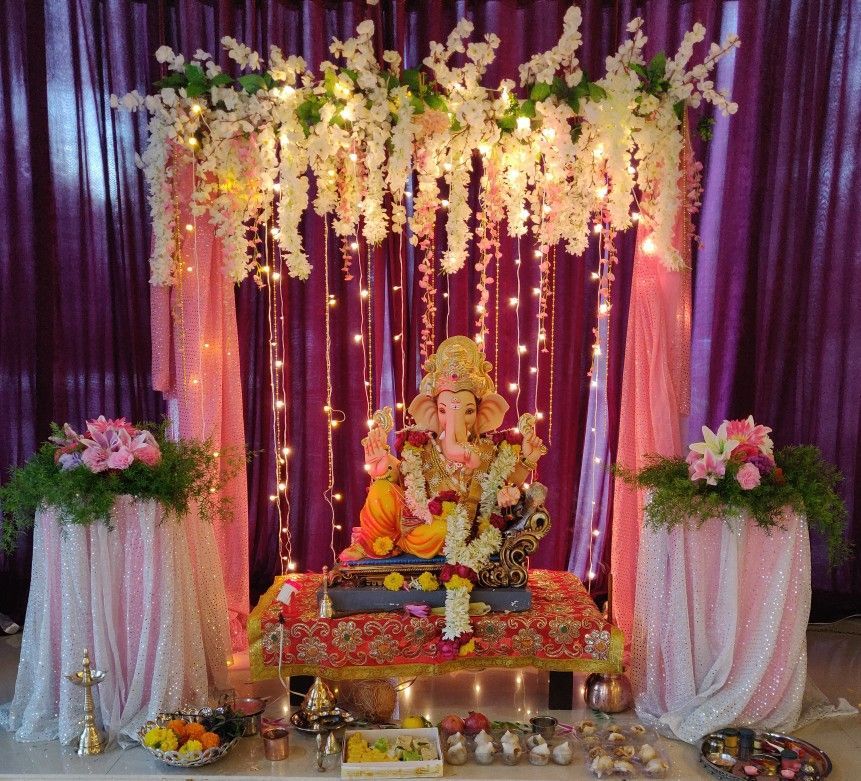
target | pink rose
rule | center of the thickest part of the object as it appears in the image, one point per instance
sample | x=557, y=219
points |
x=95, y=458
x=508, y=496
x=466, y=572
x=748, y=477
x=448, y=648
x=120, y=459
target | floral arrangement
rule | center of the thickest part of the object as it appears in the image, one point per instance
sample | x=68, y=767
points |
x=468, y=546
x=82, y=475
x=192, y=739
x=558, y=152
x=736, y=471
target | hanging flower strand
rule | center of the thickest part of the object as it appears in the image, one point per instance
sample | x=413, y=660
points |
x=362, y=125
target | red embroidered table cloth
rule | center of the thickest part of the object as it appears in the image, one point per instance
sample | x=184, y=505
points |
x=563, y=631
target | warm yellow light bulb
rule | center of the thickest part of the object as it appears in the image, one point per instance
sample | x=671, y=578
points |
x=524, y=123
x=512, y=386
x=197, y=108
x=521, y=348
x=649, y=245
x=357, y=338
x=279, y=404
x=189, y=227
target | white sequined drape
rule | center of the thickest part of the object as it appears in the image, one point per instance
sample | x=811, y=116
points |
x=141, y=597
x=720, y=626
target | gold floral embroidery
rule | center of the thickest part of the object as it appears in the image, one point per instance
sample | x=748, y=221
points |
x=383, y=648
x=565, y=631
x=347, y=636
x=526, y=642
x=490, y=631
x=598, y=643
x=311, y=650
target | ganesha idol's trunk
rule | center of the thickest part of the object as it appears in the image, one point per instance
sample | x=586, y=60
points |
x=455, y=437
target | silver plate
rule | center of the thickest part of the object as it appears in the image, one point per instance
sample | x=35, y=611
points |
x=328, y=721
x=819, y=757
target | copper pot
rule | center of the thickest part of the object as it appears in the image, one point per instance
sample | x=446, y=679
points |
x=608, y=692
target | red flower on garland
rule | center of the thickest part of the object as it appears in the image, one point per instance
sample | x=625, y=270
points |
x=498, y=522
x=418, y=438
x=512, y=436
x=435, y=507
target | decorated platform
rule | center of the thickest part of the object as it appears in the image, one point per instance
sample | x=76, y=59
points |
x=563, y=631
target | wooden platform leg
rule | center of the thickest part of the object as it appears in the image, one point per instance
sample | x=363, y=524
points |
x=560, y=695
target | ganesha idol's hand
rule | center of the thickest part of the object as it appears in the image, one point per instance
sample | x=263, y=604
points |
x=377, y=455
x=532, y=449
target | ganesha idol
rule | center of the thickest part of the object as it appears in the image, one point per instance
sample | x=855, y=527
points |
x=454, y=487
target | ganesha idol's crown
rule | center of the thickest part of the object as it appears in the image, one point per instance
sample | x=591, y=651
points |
x=457, y=365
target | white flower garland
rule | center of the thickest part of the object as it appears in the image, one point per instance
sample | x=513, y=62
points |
x=568, y=153
x=475, y=554
x=415, y=490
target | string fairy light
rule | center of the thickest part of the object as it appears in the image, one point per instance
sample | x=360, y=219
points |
x=553, y=266
x=606, y=260
x=516, y=386
x=274, y=299
x=329, y=411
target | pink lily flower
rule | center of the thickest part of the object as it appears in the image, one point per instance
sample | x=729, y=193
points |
x=709, y=468
x=417, y=610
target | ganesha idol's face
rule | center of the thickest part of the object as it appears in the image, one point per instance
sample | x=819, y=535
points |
x=457, y=413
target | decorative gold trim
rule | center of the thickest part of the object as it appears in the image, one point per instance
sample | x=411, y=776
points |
x=355, y=673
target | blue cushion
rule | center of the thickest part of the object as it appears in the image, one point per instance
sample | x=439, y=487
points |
x=404, y=558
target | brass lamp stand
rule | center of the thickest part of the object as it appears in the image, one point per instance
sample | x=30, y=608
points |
x=92, y=740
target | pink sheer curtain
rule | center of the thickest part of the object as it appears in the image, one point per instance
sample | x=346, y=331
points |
x=196, y=366
x=655, y=393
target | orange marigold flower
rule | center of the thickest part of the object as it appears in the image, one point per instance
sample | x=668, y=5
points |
x=179, y=727
x=194, y=731
x=209, y=740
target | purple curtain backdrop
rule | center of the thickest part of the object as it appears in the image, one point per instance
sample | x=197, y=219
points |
x=776, y=313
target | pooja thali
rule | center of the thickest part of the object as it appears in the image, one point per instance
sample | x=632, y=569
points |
x=325, y=721
x=764, y=760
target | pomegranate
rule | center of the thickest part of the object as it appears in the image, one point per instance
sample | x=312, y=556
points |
x=451, y=724
x=475, y=723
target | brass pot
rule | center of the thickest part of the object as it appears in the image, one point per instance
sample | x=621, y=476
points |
x=608, y=692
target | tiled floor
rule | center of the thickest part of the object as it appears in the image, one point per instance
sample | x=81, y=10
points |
x=835, y=666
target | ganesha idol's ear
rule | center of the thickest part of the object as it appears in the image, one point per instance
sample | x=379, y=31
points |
x=491, y=411
x=423, y=409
